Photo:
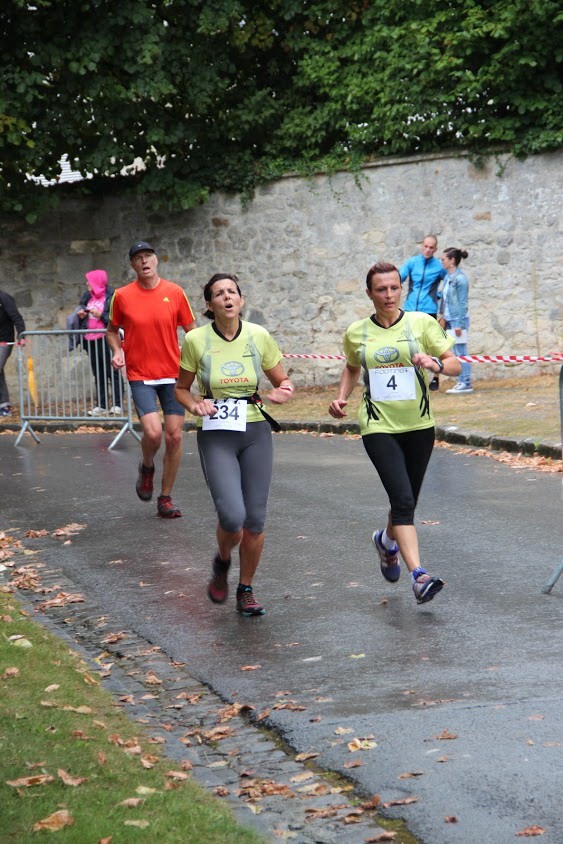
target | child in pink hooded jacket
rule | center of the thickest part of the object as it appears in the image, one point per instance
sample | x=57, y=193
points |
x=95, y=313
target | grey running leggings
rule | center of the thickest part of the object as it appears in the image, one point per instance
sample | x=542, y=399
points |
x=237, y=466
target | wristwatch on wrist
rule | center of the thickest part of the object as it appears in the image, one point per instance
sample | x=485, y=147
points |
x=440, y=364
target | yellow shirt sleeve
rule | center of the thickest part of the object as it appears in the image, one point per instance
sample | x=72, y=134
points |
x=188, y=358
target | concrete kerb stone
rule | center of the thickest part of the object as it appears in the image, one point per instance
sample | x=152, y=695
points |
x=449, y=434
x=222, y=766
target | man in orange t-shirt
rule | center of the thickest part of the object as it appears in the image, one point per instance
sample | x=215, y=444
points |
x=149, y=310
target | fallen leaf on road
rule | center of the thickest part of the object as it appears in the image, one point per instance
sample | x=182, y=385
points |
x=531, y=830
x=429, y=522
x=357, y=656
x=353, y=817
x=442, y=759
x=536, y=717
x=112, y=638
x=361, y=744
x=409, y=774
x=192, y=698
x=450, y=819
x=401, y=801
x=68, y=530
x=58, y=820
x=221, y=791
x=371, y=804
x=343, y=731
x=354, y=763
x=306, y=775
x=250, y=667
x=382, y=836
x=295, y=707
x=33, y=534
x=445, y=735
x=303, y=757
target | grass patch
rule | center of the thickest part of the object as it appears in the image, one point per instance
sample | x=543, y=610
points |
x=36, y=739
x=508, y=407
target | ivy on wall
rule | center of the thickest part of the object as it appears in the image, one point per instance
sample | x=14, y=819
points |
x=226, y=95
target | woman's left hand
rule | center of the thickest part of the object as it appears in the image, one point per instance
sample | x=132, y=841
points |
x=279, y=395
x=426, y=361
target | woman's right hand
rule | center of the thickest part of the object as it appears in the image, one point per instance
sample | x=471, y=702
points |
x=336, y=408
x=81, y=314
x=203, y=407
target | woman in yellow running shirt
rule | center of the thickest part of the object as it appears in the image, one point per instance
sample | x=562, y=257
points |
x=396, y=350
x=234, y=432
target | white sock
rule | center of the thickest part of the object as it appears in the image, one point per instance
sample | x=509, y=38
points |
x=388, y=544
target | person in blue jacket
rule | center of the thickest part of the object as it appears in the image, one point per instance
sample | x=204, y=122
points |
x=424, y=273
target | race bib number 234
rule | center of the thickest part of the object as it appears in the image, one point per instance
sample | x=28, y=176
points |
x=230, y=415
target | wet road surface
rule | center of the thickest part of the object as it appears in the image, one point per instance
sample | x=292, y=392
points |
x=482, y=662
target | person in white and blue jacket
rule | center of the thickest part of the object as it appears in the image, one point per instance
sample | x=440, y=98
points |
x=424, y=273
x=453, y=314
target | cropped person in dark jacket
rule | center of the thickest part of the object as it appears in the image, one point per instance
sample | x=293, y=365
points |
x=94, y=314
x=10, y=319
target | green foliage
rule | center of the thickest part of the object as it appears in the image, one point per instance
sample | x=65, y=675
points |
x=224, y=96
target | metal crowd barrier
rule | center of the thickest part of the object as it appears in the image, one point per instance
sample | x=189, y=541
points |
x=65, y=378
x=558, y=570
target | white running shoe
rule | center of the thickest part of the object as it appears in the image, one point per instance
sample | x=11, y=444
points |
x=460, y=388
x=97, y=411
x=116, y=410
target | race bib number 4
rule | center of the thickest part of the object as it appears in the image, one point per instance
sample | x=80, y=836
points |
x=230, y=415
x=388, y=383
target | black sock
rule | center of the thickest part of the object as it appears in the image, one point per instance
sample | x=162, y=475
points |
x=243, y=587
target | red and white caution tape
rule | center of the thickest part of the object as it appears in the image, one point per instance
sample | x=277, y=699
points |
x=466, y=358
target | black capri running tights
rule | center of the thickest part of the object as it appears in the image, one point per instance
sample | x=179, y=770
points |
x=238, y=469
x=401, y=461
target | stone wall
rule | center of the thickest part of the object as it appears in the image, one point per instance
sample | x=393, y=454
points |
x=301, y=250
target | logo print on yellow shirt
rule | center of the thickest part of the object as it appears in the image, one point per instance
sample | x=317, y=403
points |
x=232, y=368
x=386, y=355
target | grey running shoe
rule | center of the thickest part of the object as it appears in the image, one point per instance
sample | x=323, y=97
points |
x=426, y=587
x=388, y=560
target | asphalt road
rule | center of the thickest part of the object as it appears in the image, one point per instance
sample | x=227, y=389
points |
x=481, y=663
